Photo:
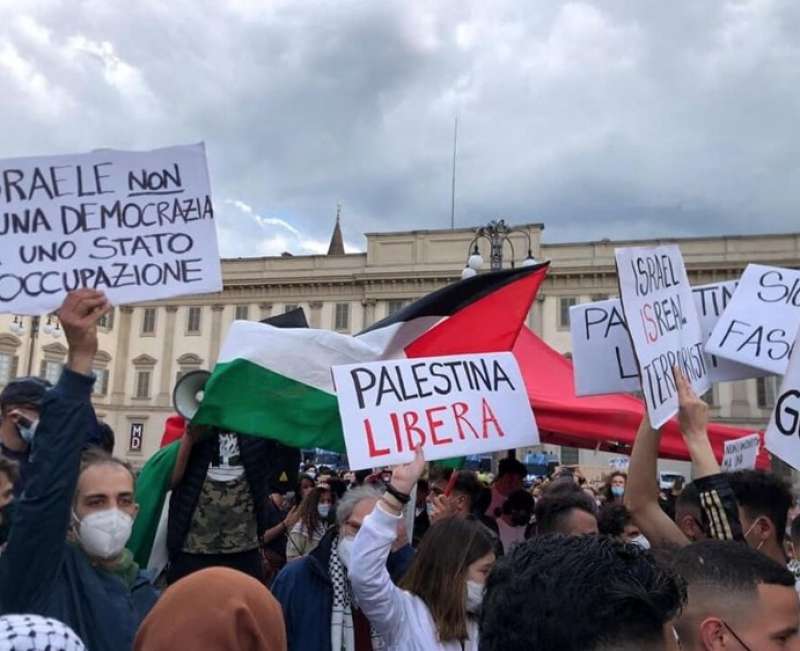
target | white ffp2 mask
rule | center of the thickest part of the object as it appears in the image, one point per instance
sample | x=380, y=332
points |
x=103, y=534
x=475, y=593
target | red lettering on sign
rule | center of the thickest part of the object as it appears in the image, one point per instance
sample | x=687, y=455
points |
x=433, y=425
x=373, y=451
x=410, y=421
x=489, y=417
x=459, y=411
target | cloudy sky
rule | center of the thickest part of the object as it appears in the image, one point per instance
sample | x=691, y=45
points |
x=601, y=119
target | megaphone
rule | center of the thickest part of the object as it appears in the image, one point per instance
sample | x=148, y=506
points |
x=188, y=393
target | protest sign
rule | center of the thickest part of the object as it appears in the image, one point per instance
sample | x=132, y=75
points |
x=135, y=225
x=761, y=322
x=741, y=453
x=783, y=434
x=602, y=352
x=663, y=324
x=452, y=406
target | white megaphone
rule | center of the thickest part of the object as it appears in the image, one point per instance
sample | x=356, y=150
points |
x=188, y=393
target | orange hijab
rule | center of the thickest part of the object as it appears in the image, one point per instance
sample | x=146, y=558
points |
x=217, y=609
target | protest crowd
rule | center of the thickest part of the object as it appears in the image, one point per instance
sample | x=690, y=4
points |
x=328, y=562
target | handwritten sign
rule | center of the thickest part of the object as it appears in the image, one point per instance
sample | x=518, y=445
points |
x=783, y=434
x=741, y=453
x=602, y=352
x=663, y=323
x=136, y=225
x=761, y=322
x=452, y=406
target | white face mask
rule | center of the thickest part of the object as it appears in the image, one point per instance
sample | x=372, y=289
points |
x=103, y=534
x=345, y=550
x=475, y=593
x=641, y=541
x=27, y=433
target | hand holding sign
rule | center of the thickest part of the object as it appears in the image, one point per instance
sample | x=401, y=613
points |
x=692, y=412
x=406, y=475
x=78, y=316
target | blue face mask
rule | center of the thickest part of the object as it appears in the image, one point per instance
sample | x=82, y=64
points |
x=323, y=510
x=617, y=491
x=27, y=432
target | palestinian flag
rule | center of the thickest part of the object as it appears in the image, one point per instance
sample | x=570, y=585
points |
x=276, y=383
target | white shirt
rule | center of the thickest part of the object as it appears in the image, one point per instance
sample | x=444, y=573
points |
x=510, y=535
x=401, y=619
x=498, y=499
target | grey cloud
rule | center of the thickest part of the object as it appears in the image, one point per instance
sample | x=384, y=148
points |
x=598, y=119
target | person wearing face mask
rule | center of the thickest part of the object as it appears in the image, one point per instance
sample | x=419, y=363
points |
x=437, y=604
x=315, y=512
x=614, y=488
x=66, y=555
x=515, y=518
x=20, y=404
x=615, y=520
x=315, y=591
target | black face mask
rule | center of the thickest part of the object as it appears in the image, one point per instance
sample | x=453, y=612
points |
x=6, y=520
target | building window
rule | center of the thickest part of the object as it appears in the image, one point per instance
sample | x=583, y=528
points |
x=101, y=381
x=142, y=384
x=50, y=370
x=289, y=307
x=149, y=321
x=766, y=391
x=395, y=306
x=599, y=297
x=8, y=367
x=107, y=320
x=242, y=312
x=564, y=303
x=569, y=456
x=193, y=321
x=186, y=364
x=342, y=321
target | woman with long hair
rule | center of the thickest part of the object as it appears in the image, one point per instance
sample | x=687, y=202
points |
x=315, y=515
x=614, y=488
x=437, y=603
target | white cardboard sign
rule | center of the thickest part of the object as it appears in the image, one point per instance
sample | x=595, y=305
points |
x=741, y=453
x=759, y=326
x=453, y=406
x=136, y=225
x=783, y=434
x=663, y=323
x=602, y=352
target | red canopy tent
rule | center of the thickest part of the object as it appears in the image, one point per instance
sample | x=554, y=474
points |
x=609, y=422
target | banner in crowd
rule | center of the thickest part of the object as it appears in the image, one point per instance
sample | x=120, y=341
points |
x=603, y=355
x=741, y=454
x=452, y=406
x=783, y=434
x=663, y=324
x=135, y=225
x=760, y=324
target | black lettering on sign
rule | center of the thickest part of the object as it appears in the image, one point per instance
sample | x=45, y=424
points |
x=775, y=290
x=148, y=183
x=787, y=413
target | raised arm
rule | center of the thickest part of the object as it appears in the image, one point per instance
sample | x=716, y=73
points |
x=378, y=597
x=35, y=548
x=641, y=491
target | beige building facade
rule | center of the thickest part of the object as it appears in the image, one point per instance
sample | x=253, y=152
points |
x=145, y=348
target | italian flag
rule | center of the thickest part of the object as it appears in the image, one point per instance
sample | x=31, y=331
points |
x=276, y=382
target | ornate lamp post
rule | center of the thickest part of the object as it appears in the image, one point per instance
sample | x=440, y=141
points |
x=51, y=327
x=497, y=233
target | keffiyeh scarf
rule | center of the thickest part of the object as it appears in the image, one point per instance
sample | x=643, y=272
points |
x=342, y=630
x=34, y=633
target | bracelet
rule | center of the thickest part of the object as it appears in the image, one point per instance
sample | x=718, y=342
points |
x=403, y=498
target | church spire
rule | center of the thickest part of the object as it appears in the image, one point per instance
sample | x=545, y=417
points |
x=337, y=242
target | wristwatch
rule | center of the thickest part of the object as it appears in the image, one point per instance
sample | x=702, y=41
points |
x=403, y=498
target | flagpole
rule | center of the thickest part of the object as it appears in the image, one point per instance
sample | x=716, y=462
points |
x=453, y=185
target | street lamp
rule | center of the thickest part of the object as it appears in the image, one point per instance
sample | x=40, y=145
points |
x=50, y=328
x=497, y=233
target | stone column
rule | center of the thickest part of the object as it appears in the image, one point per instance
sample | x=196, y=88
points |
x=369, y=311
x=123, y=352
x=216, y=334
x=536, y=316
x=740, y=405
x=165, y=386
x=266, y=310
x=316, y=313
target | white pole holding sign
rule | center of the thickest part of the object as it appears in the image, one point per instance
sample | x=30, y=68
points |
x=602, y=353
x=452, y=406
x=741, y=453
x=135, y=225
x=663, y=323
x=760, y=324
x=783, y=434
